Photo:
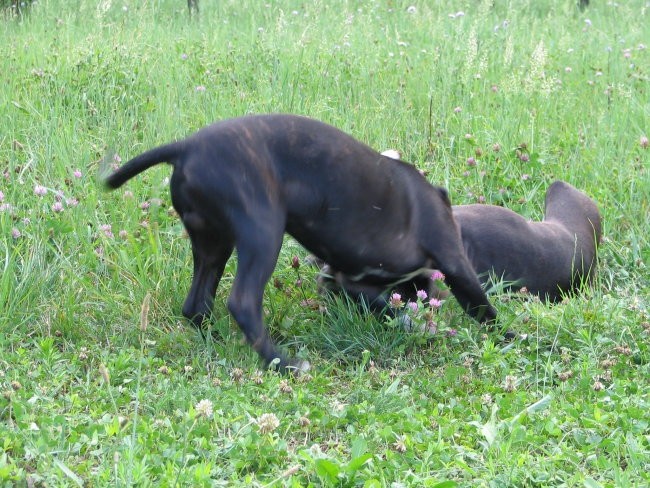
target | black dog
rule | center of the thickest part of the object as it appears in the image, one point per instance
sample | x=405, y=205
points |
x=242, y=183
x=548, y=258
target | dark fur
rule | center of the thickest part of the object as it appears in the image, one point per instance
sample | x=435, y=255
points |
x=549, y=258
x=242, y=183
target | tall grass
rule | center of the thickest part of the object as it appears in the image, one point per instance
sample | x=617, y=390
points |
x=532, y=90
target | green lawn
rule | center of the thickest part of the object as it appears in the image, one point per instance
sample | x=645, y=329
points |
x=103, y=382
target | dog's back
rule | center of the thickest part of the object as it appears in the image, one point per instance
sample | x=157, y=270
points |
x=548, y=257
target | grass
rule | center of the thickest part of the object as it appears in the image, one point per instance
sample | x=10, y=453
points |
x=97, y=393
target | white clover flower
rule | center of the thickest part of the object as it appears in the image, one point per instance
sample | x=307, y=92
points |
x=267, y=423
x=204, y=408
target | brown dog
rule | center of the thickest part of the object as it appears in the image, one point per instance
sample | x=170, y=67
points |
x=242, y=183
x=549, y=258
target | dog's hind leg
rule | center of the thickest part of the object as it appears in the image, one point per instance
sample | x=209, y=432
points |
x=258, y=246
x=211, y=249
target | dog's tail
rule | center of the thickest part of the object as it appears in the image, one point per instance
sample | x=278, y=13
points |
x=167, y=153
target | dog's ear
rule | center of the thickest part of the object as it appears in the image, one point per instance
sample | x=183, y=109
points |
x=444, y=195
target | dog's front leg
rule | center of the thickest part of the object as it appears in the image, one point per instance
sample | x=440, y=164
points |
x=464, y=284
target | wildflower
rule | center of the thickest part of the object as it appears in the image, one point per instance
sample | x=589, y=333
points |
x=564, y=375
x=295, y=262
x=487, y=399
x=494, y=88
x=471, y=161
x=411, y=9
x=624, y=350
x=123, y=234
x=437, y=276
x=72, y=202
x=421, y=294
x=588, y=22
x=285, y=387
x=2, y=196
x=15, y=385
x=40, y=190
x=510, y=384
x=237, y=374
x=608, y=363
x=597, y=386
x=57, y=207
x=15, y=233
x=396, y=300
x=457, y=110
x=413, y=306
x=452, y=333
x=257, y=377
x=304, y=422
x=145, y=205
x=200, y=88
x=525, y=177
x=568, y=69
x=83, y=354
x=496, y=147
x=184, y=56
x=481, y=199
x=435, y=303
x=267, y=423
x=77, y=173
x=338, y=406
x=117, y=158
x=188, y=369
x=163, y=370
x=400, y=444
x=523, y=157
x=106, y=229
x=643, y=142
x=204, y=408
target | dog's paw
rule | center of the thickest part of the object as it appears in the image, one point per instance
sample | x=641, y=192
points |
x=290, y=366
x=297, y=368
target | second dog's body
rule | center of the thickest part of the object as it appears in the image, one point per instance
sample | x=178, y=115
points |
x=549, y=258
x=242, y=183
